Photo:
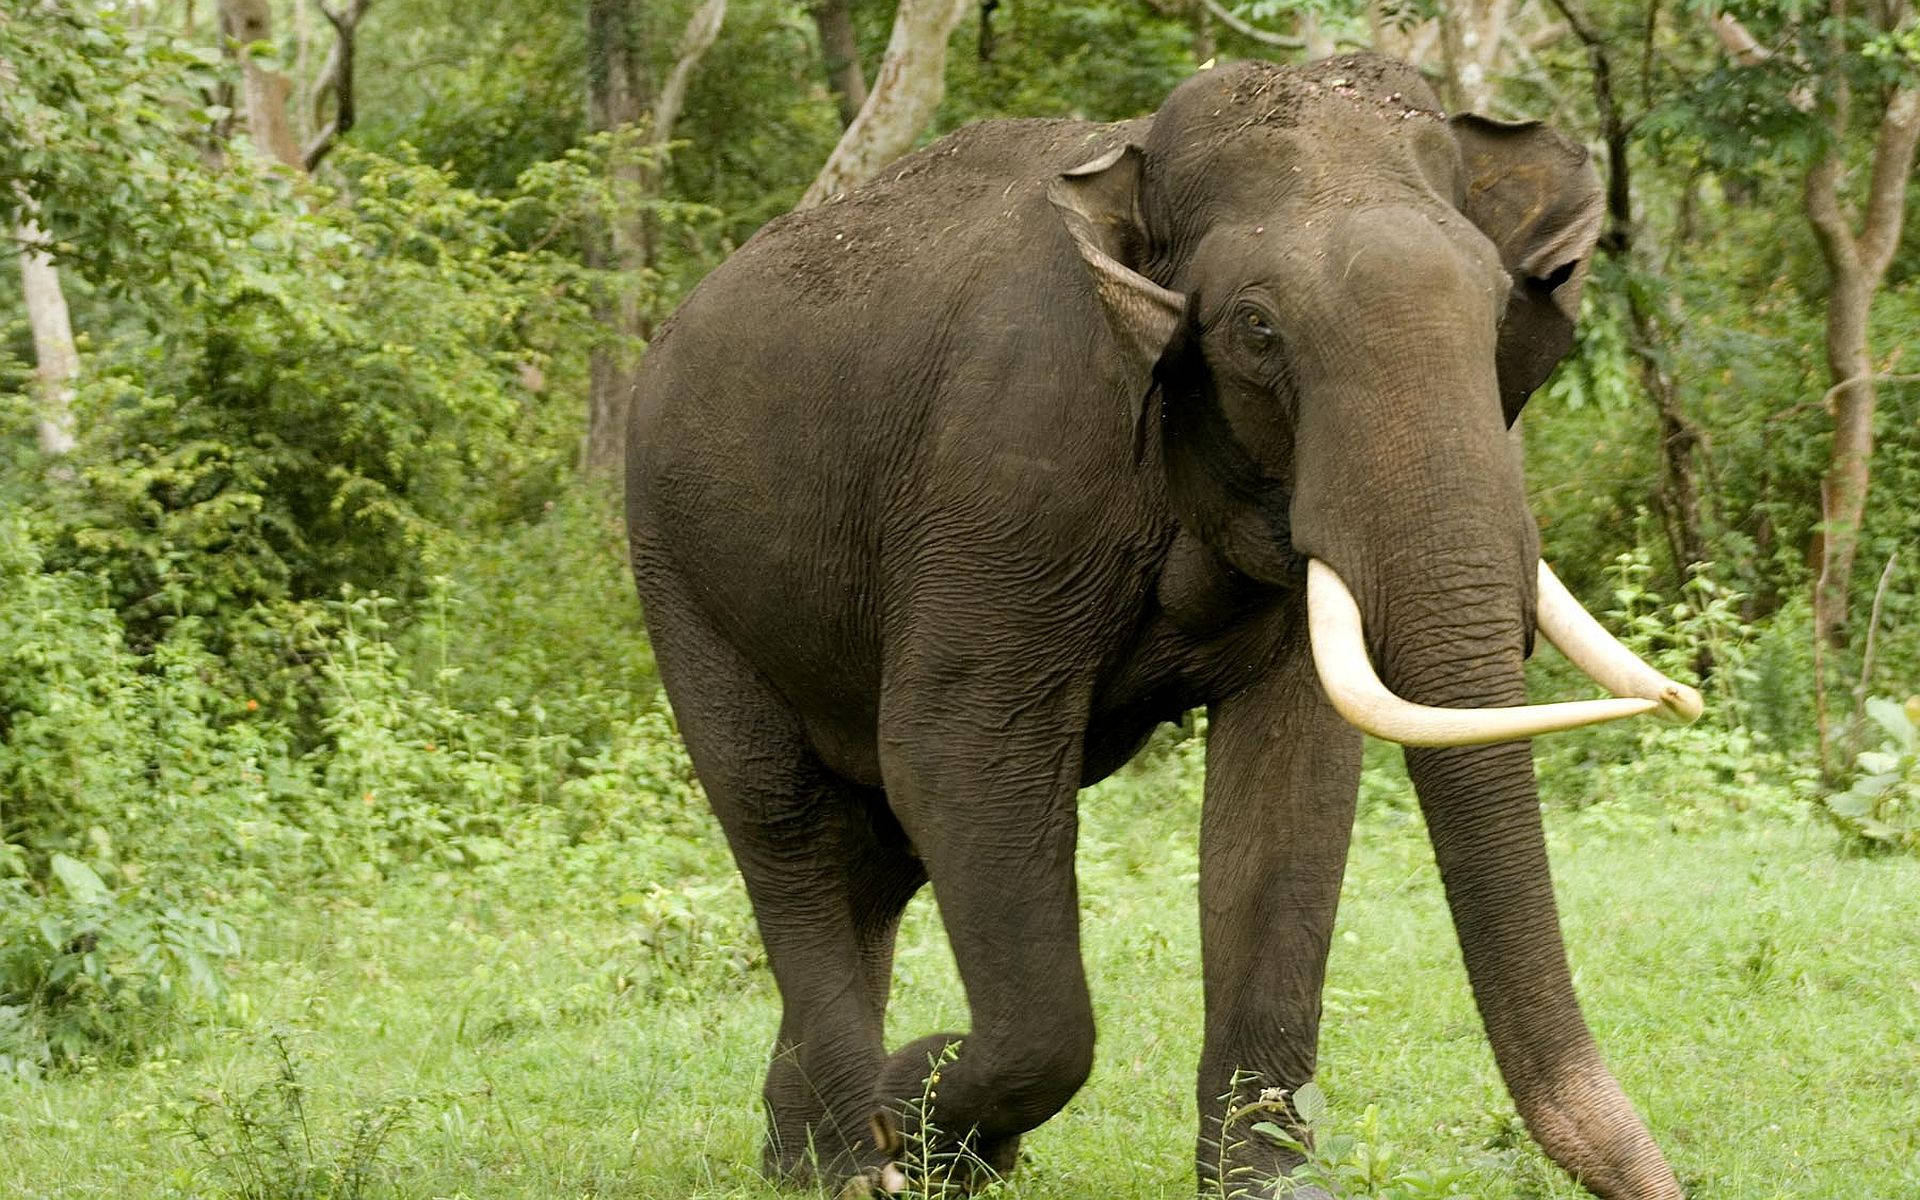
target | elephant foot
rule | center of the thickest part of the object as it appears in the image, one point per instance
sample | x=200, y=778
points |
x=937, y=1165
x=818, y=1162
x=873, y=1182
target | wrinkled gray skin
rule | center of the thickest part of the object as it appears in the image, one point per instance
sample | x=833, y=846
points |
x=942, y=495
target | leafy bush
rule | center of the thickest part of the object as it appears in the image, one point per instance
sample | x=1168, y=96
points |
x=1728, y=761
x=87, y=972
x=287, y=441
x=1882, y=808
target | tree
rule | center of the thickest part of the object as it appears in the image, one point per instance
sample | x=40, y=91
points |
x=841, y=55
x=905, y=93
x=245, y=24
x=621, y=96
x=57, y=361
x=1857, y=246
x=1650, y=342
x=335, y=82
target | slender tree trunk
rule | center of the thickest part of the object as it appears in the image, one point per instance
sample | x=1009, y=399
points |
x=1681, y=508
x=841, y=55
x=335, y=83
x=1856, y=265
x=1413, y=42
x=1318, y=39
x=1472, y=39
x=620, y=92
x=57, y=362
x=265, y=91
x=702, y=30
x=909, y=87
x=1205, y=47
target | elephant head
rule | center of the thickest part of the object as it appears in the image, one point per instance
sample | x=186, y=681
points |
x=1332, y=301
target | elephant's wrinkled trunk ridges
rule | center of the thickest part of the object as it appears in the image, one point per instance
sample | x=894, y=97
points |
x=1483, y=816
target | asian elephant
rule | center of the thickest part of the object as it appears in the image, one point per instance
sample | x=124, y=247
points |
x=943, y=494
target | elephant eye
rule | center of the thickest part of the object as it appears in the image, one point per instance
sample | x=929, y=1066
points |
x=1255, y=322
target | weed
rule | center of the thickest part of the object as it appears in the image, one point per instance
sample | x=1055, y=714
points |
x=1362, y=1163
x=268, y=1143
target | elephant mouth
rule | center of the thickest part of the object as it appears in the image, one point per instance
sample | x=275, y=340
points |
x=1351, y=684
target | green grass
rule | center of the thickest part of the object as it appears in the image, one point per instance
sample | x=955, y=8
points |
x=551, y=1027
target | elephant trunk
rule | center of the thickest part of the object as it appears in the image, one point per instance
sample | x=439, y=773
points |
x=1452, y=639
x=1483, y=815
x=1448, y=626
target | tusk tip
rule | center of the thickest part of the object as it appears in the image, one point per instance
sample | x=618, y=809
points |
x=1680, y=704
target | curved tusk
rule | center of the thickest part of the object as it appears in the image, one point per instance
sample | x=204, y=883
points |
x=1347, y=676
x=1587, y=645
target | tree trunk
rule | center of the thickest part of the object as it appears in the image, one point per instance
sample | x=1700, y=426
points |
x=265, y=91
x=620, y=90
x=1679, y=498
x=909, y=87
x=335, y=83
x=1314, y=33
x=56, y=360
x=1472, y=38
x=841, y=55
x=1205, y=47
x=1409, y=41
x=1856, y=265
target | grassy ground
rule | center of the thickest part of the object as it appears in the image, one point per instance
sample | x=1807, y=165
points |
x=538, y=1031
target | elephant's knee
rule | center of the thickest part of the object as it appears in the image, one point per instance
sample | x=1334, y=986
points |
x=1038, y=1074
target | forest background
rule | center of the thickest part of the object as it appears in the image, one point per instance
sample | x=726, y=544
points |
x=315, y=318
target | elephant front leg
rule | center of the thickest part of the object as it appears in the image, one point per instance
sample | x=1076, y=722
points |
x=1282, y=774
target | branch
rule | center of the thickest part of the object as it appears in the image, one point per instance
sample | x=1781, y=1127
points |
x=906, y=90
x=1826, y=401
x=1893, y=151
x=1831, y=226
x=1285, y=41
x=1741, y=46
x=1614, y=130
x=335, y=79
x=703, y=29
x=1873, y=627
x=1544, y=36
x=1580, y=29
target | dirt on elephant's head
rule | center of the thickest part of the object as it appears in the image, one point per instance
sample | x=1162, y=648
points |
x=1219, y=105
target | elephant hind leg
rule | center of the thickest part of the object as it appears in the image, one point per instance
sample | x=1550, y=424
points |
x=828, y=872
x=813, y=1135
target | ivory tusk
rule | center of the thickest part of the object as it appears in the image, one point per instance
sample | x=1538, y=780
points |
x=1588, y=645
x=1348, y=678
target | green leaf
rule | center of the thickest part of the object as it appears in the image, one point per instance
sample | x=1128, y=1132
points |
x=1310, y=1103
x=1851, y=805
x=79, y=880
x=1893, y=718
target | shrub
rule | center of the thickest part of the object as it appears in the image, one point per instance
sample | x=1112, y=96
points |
x=1882, y=809
x=88, y=972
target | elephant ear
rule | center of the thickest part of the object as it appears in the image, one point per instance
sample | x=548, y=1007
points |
x=1537, y=196
x=1099, y=202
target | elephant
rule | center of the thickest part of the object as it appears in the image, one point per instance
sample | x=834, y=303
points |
x=942, y=495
